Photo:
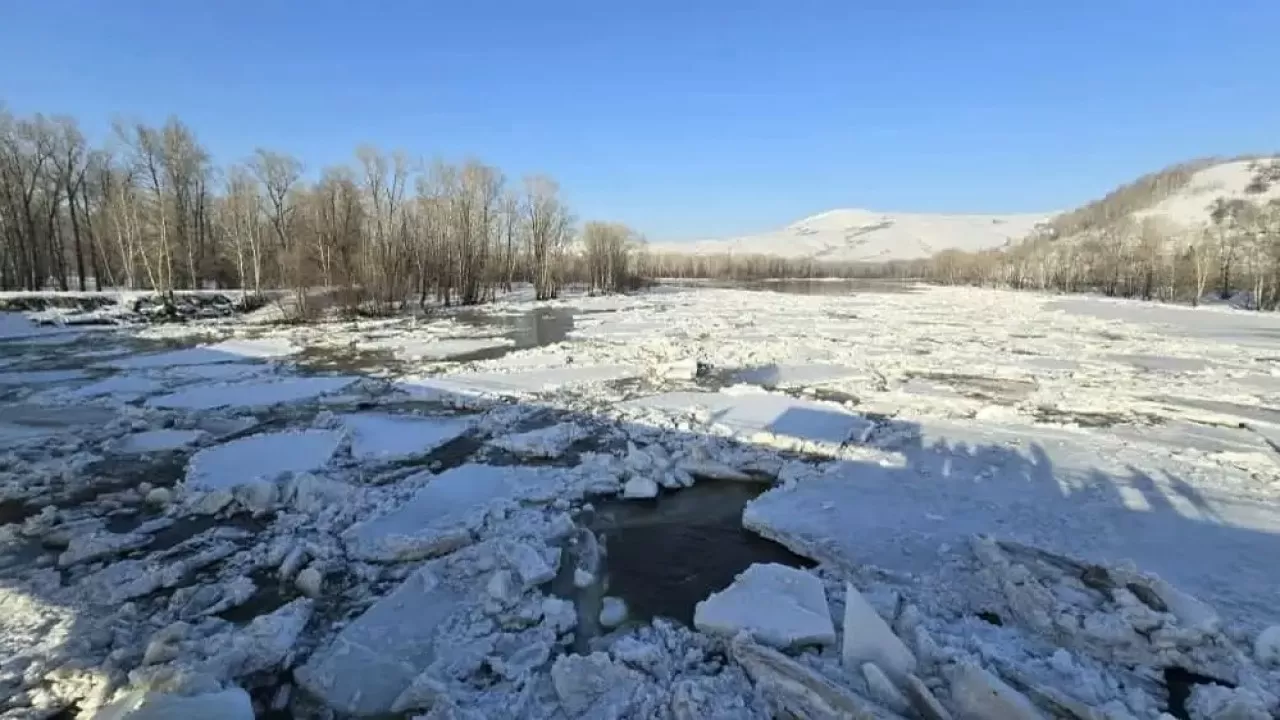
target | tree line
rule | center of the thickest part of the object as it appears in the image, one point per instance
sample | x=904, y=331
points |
x=150, y=209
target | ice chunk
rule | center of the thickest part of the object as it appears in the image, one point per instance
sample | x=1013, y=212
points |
x=980, y=695
x=121, y=387
x=529, y=564
x=230, y=704
x=547, y=442
x=883, y=690
x=1215, y=702
x=777, y=605
x=613, y=612
x=799, y=374
x=257, y=348
x=516, y=383
x=376, y=658
x=797, y=690
x=255, y=394
x=98, y=545
x=224, y=352
x=868, y=638
x=264, y=456
x=594, y=686
x=640, y=487
x=442, y=516
x=1266, y=647
x=746, y=414
x=391, y=437
x=158, y=441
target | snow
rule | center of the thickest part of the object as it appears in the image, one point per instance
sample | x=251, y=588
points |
x=265, y=456
x=254, y=394
x=392, y=437
x=851, y=235
x=777, y=605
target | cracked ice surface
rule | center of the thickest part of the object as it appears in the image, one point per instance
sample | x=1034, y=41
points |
x=1016, y=502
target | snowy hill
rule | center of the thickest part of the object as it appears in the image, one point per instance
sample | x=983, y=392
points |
x=1231, y=180
x=1178, y=197
x=867, y=236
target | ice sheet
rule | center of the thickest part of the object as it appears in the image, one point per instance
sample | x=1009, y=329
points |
x=516, y=383
x=747, y=414
x=252, y=394
x=265, y=456
x=444, y=514
x=377, y=436
x=158, y=440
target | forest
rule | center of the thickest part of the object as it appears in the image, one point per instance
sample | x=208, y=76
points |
x=149, y=209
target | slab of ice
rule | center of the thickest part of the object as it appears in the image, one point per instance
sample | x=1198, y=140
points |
x=122, y=387
x=443, y=515
x=797, y=374
x=1162, y=363
x=747, y=414
x=547, y=442
x=257, y=348
x=868, y=639
x=253, y=394
x=217, y=372
x=437, y=348
x=230, y=704
x=171, y=358
x=779, y=606
x=16, y=326
x=377, y=436
x=516, y=383
x=41, y=377
x=375, y=658
x=158, y=441
x=261, y=456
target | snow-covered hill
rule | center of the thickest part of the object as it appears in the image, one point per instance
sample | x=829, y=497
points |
x=1230, y=180
x=866, y=236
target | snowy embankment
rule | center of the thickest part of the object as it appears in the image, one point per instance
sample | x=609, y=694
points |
x=1018, y=507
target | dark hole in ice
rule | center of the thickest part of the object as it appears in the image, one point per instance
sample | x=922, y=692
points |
x=990, y=617
x=15, y=511
x=664, y=556
x=1179, y=682
x=271, y=594
x=536, y=328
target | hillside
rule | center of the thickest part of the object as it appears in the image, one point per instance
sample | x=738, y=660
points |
x=1179, y=197
x=867, y=236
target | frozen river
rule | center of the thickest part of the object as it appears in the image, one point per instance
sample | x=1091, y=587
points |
x=515, y=510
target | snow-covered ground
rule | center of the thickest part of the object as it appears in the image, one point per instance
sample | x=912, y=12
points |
x=1018, y=506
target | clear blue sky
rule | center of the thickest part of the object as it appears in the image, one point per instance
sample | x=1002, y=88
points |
x=685, y=118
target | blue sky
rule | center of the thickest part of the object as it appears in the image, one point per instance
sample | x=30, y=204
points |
x=685, y=119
